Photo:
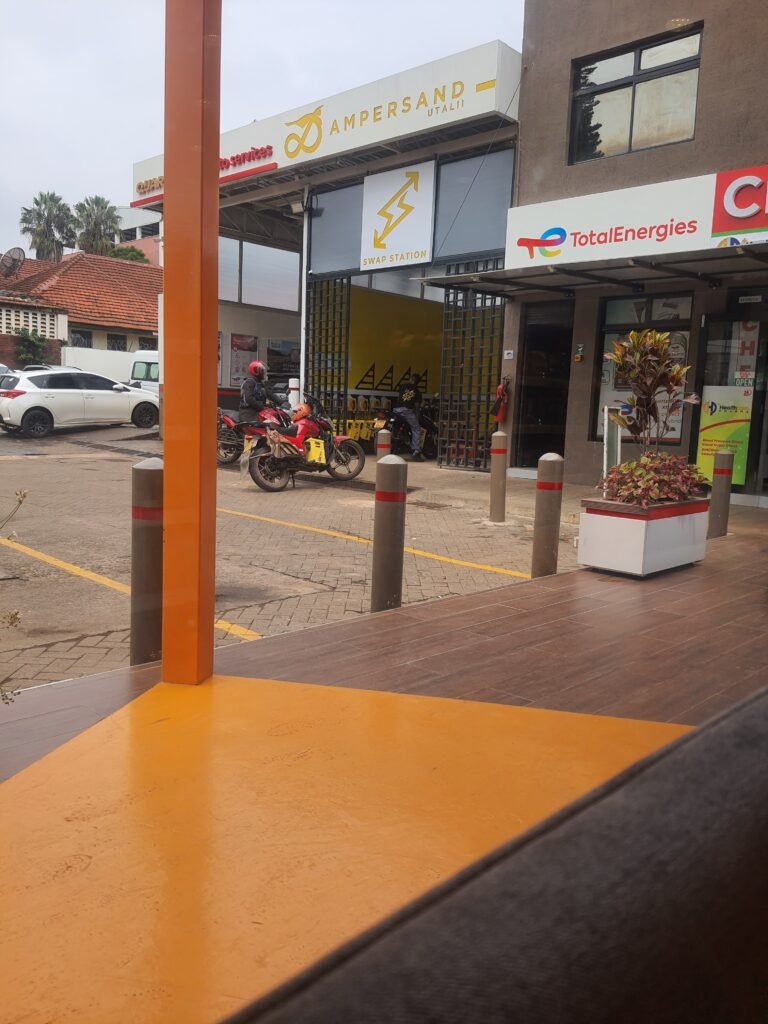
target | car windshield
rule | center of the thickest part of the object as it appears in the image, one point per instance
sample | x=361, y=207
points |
x=145, y=371
x=7, y=382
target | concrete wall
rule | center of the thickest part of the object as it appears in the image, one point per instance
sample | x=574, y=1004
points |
x=732, y=111
x=264, y=324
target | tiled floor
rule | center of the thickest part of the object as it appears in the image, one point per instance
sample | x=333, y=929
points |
x=679, y=647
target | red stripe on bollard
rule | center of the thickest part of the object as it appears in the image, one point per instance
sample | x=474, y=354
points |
x=544, y=485
x=723, y=472
x=498, y=451
x=390, y=495
x=383, y=447
x=137, y=512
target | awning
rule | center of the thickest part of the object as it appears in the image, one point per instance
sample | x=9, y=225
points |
x=709, y=266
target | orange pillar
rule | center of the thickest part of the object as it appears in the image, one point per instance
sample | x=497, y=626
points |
x=192, y=77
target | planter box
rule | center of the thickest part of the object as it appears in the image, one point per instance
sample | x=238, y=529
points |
x=638, y=541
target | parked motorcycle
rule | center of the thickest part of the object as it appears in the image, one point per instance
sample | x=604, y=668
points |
x=232, y=429
x=274, y=460
x=401, y=431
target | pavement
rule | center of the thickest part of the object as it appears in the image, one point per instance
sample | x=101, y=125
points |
x=282, y=563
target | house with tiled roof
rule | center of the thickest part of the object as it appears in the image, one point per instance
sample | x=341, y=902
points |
x=109, y=304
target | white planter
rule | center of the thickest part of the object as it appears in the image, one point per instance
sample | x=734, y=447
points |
x=637, y=541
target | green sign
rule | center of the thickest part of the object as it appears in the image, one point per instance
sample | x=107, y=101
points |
x=726, y=416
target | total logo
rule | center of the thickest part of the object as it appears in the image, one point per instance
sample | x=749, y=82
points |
x=548, y=244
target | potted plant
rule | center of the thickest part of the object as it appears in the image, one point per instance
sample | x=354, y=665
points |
x=653, y=515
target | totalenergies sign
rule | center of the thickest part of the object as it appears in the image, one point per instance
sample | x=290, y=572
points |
x=476, y=83
x=712, y=210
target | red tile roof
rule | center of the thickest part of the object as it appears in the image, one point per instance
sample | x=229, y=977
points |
x=94, y=290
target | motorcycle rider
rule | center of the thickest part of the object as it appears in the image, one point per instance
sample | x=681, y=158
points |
x=407, y=408
x=255, y=392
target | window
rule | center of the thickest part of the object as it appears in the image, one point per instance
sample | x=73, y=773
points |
x=671, y=313
x=229, y=269
x=635, y=100
x=8, y=382
x=117, y=343
x=270, y=277
x=473, y=199
x=145, y=371
x=93, y=382
x=56, y=382
x=148, y=344
x=81, y=339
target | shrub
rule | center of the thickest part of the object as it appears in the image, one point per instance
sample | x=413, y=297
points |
x=654, y=477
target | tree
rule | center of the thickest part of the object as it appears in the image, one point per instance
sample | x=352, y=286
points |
x=97, y=222
x=49, y=224
x=30, y=346
x=128, y=252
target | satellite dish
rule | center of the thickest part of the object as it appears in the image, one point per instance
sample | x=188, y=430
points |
x=11, y=261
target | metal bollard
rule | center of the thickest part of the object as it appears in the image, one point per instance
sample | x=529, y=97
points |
x=499, y=459
x=389, y=533
x=546, y=522
x=383, y=444
x=720, y=498
x=146, y=561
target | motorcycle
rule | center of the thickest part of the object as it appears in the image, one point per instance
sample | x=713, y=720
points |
x=234, y=428
x=274, y=460
x=401, y=431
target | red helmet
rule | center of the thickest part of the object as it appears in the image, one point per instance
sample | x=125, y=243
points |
x=301, y=412
x=257, y=369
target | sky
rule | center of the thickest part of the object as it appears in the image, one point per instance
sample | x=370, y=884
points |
x=83, y=96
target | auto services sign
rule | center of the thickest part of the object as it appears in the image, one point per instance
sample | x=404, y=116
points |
x=685, y=215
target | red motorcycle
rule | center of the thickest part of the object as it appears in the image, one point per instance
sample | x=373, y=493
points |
x=307, y=446
x=232, y=429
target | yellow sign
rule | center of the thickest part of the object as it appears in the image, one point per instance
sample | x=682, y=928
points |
x=305, y=141
x=390, y=219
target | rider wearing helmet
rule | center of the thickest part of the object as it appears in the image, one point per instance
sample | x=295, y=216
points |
x=255, y=392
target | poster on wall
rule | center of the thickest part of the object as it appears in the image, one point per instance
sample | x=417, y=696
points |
x=726, y=416
x=614, y=390
x=244, y=348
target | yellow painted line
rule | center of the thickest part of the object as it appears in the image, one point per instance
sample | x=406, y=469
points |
x=297, y=526
x=364, y=540
x=235, y=630
x=485, y=86
x=74, y=570
x=105, y=581
x=468, y=565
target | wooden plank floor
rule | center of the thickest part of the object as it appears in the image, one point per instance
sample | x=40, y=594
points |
x=679, y=647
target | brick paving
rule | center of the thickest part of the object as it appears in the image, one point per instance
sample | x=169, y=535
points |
x=271, y=578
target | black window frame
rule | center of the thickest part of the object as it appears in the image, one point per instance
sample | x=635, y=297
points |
x=636, y=78
x=86, y=335
x=120, y=339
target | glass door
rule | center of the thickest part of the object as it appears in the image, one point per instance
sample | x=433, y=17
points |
x=733, y=400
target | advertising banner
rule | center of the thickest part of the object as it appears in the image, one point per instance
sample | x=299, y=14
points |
x=685, y=215
x=726, y=415
x=244, y=348
x=398, y=217
x=463, y=86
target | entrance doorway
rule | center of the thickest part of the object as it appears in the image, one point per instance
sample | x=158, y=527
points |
x=733, y=397
x=543, y=383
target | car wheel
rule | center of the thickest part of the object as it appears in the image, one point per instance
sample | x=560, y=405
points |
x=36, y=423
x=144, y=416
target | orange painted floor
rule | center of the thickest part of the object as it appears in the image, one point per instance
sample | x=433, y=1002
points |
x=204, y=843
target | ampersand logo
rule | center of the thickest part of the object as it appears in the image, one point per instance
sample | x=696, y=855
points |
x=308, y=137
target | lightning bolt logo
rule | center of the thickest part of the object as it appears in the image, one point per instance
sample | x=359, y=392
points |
x=397, y=202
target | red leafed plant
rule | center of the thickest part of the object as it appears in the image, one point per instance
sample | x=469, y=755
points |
x=654, y=477
x=657, y=385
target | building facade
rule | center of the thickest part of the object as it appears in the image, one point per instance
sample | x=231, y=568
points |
x=640, y=202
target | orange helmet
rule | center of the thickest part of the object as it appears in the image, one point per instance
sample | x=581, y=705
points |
x=301, y=412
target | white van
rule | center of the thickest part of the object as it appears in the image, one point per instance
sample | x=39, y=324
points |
x=145, y=371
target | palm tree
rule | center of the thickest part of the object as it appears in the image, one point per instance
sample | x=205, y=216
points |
x=49, y=224
x=97, y=222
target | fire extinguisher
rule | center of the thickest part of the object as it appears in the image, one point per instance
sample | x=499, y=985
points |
x=499, y=409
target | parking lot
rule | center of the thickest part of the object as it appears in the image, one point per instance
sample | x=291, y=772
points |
x=284, y=561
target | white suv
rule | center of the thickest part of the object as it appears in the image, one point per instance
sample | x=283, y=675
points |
x=36, y=401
